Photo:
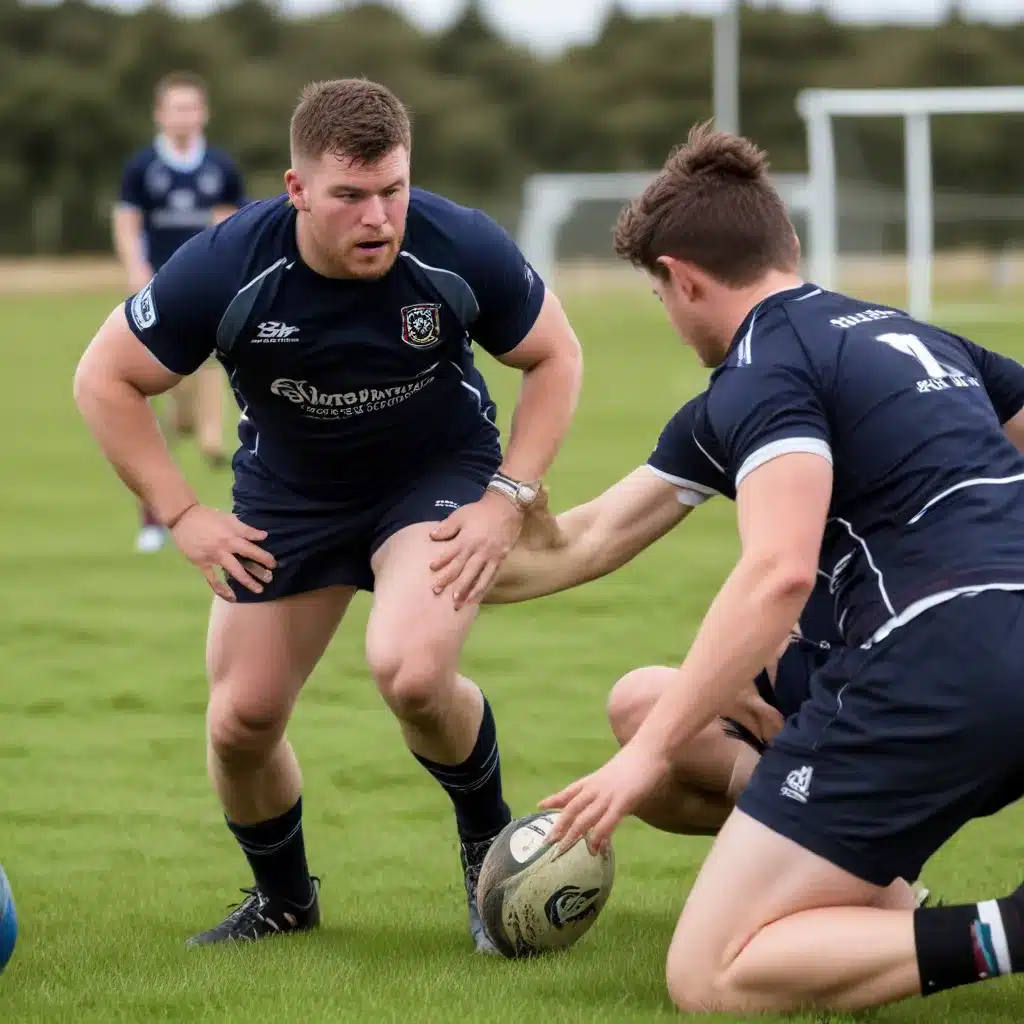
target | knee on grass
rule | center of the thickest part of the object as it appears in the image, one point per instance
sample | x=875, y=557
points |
x=633, y=696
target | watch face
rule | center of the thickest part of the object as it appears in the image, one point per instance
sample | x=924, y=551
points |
x=528, y=493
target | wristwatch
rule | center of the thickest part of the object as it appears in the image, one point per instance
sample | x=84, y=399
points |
x=521, y=493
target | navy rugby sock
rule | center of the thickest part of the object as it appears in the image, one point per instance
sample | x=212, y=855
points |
x=475, y=785
x=961, y=945
x=277, y=855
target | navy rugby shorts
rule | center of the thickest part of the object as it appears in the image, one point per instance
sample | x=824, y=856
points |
x=901, y=744
x=800, y=660
x=323, y=541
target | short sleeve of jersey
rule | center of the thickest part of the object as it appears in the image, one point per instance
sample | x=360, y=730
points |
x=678, y=458
x=508, y=291
x=133, y=185
x=759, y=411
x=177, y=314
x=1003, y=379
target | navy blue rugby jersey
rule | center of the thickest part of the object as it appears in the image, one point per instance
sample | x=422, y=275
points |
x=679, y=459
x=927, y=498
x=348, y=384
x=177, y=194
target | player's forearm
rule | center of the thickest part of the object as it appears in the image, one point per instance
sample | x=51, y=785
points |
x=128, y=245
x=547, y=402
x=743, y=629
x=527, y=574
x=125, y=428
x=130, y=253
x=580, y=550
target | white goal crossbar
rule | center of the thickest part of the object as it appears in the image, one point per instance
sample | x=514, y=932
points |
x=818, y=108
x=549, y=200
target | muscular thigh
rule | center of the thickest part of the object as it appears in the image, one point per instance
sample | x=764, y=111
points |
x=407, y=617
x=259, y=655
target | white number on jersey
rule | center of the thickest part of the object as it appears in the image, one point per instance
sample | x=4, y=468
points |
x=911, y=345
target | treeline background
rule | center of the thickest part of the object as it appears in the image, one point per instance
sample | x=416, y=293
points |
x=77, y=85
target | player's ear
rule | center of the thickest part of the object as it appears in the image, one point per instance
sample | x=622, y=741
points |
x=681, y=277
x=296, y=193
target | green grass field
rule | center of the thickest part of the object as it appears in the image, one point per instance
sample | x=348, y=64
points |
x=115, y=845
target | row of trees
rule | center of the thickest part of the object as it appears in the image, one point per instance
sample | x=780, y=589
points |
x=78, y=81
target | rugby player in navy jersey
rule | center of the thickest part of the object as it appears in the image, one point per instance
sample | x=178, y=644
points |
x=170, y=191
x=343, y=313
x=555, y=553
x=881, y=450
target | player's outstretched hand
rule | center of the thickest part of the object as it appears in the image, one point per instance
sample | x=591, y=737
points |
x=477, y=538
x=594, y=805
x=211, y=539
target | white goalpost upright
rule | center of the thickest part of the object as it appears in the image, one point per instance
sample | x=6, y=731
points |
x=819, y=107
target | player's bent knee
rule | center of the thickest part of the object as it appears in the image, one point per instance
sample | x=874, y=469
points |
x=238, y=727
x=633, y=696
x=412, y=684
x=694, y=986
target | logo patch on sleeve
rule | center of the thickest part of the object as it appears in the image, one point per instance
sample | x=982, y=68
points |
x=143, y=308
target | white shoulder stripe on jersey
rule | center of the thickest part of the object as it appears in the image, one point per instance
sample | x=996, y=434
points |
x=785, y=446
x=718, y=466
x=259, y=277
x=976, y=482
x=744, y=357
x=441, y=270
x=689, y=492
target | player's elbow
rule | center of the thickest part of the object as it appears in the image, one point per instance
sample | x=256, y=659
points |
x=785, y=577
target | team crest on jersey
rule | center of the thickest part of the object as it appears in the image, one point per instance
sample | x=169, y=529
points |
x=421, y=324
x=209, y=181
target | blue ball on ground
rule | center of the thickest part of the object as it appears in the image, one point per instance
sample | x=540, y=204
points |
x=8, y=921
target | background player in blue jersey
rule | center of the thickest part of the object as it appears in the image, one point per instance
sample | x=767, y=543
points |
x=873, y=445
x=343, y=312
x=170, y=191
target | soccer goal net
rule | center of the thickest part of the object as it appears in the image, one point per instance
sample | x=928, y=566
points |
x=913, y=195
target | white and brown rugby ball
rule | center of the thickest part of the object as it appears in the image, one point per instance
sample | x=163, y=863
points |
x=533, y=901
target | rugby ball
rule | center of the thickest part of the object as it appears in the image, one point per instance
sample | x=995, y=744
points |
x=533, y=901
x=8, y=921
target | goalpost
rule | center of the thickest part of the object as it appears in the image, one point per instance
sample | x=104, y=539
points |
x=819, y=107
x=550, y=200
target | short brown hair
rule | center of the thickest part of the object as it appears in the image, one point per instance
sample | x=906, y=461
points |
x=178, y=80
x=352, y=116
x=714, y=205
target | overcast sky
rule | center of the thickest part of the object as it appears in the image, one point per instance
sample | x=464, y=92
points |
x=548, y=25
